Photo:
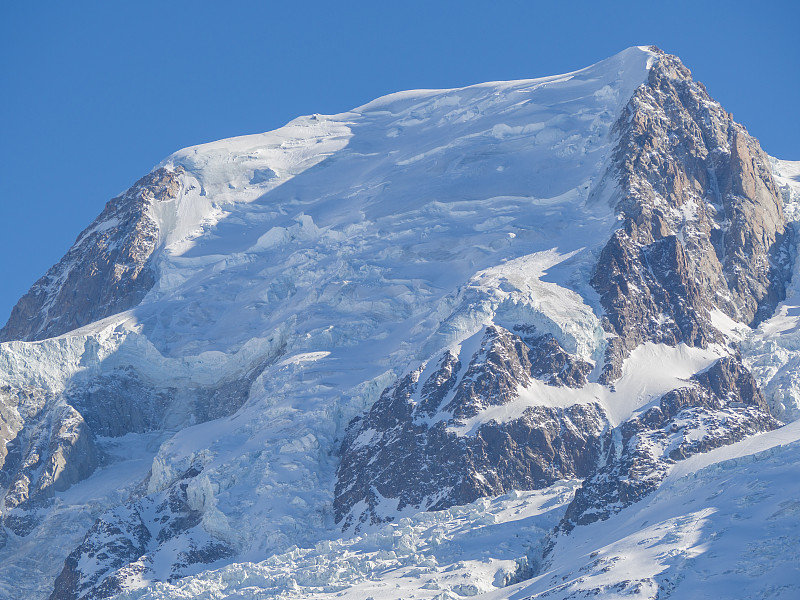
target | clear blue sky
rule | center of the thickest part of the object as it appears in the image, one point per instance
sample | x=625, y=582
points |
x=94, y=94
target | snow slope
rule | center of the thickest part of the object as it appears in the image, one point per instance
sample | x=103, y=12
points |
x=462, y=551
x=723, y=524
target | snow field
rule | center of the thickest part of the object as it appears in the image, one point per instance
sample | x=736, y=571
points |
x=458, y=552
x=727, y=528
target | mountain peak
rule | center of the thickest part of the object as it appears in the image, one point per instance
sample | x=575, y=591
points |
x=521, y=303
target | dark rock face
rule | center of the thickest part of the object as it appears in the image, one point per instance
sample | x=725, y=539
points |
x=723, y=406
x=11, y=423
x=106, y=271
x=703, y=225
x=119, y=403
x=53, y=450
x=703, y=230
x=402, y=452
x=648, y=295
x=554, y=366
x=123, y=545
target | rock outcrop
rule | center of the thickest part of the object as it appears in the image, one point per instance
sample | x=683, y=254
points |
x=703, y=225
x=47, y=453
x=107, y=270
x=419, y=448
x=138, y=542
x=722, y=406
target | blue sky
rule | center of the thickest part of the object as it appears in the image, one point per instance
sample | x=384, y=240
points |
x=94, y=94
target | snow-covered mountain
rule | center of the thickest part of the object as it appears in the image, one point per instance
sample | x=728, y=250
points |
x=523, y=339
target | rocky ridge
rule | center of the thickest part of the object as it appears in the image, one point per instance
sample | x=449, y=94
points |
x=119, y=546
x=702, y=221
x=408, y=436
x=722, y=406
x=46, y=452
x=107, y=270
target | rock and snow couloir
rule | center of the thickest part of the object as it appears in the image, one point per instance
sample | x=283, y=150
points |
x=524, y=305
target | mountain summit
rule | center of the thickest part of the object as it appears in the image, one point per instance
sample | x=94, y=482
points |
x=511, y=339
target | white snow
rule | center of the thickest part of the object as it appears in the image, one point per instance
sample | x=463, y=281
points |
x=519, y=295
x=722, y=525
x=648, y=373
